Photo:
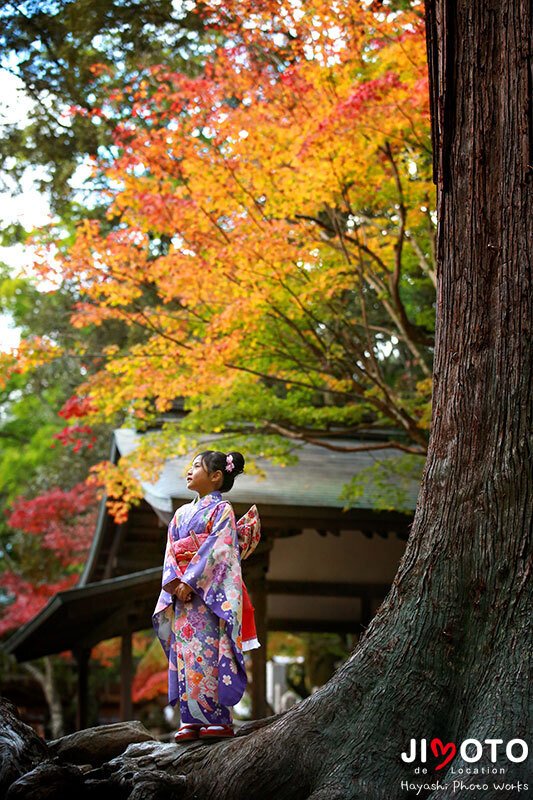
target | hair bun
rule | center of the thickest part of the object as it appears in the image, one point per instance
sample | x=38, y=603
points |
x=238, y=462
x=229, y=464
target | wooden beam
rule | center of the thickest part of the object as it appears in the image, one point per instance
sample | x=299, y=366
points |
x=134, y=615
x=328, y=588
x=131, y=560
x=296, y=518
x=314, y=626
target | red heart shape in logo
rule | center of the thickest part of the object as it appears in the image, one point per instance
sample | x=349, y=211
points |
x=440, y=749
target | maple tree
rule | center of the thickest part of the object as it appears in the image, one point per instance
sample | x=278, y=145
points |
x=270, y=230
x=55, y=531
x=48, y=48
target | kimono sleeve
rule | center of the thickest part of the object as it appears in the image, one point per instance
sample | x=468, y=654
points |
x=171, y=570
x=163, y=616
x=249, y=532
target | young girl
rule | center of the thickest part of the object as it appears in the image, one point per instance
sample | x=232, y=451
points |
x=199, y=615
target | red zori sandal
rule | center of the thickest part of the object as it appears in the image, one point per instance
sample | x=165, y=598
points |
x=217, y=732
x=187, y=732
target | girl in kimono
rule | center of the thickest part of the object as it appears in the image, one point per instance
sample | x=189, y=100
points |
x=199, y=614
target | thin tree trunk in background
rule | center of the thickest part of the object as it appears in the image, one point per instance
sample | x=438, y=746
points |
x=47, y=682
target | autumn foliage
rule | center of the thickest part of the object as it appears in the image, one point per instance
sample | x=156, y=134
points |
x=30, y=598
x=56, y=530
x=63, y=519
x=269, y=234
x=151, y=674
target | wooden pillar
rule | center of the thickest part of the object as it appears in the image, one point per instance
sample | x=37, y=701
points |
x=255, y=572
x=126, y=676
x=82, y=657
x=259, y=656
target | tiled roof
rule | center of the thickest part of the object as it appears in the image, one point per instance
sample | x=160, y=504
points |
x=315, y=481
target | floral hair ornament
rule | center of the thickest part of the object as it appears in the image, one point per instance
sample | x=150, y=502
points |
x=230, y=466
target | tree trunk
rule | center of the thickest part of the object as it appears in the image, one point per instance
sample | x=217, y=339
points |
x=20, y=748
x=446, y=657
x=48, y=684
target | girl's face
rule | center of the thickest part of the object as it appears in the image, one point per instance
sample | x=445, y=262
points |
x=200, y=480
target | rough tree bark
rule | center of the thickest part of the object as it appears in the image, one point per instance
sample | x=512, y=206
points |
x=448, y=653
x=20, y=748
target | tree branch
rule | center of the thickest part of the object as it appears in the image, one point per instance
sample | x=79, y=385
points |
x=290, y=434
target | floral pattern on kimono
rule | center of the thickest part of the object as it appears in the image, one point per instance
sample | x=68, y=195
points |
x=202, y=638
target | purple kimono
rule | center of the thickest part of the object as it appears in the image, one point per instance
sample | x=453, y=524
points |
x=202, y=638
